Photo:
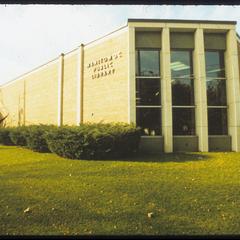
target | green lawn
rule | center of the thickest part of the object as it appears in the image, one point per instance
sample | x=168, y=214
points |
x=194, y=193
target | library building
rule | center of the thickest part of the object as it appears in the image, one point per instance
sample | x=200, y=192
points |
x=178, y=80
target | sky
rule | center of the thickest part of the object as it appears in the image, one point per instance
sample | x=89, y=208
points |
x=31, y=35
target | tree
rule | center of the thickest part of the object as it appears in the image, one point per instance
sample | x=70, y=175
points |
x=2, y=119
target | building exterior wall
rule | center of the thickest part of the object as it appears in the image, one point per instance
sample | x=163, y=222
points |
x=32, y=99
x=70, y=89
x=41, y=96
x=238, y=44
x=105, y=98
x=12, y=103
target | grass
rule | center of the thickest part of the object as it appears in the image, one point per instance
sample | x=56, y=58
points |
x=188, y=193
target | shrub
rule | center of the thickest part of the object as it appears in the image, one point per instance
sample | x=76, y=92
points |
x=35, y=137
x=94, y=141
x=18, y=135
x=4, y=136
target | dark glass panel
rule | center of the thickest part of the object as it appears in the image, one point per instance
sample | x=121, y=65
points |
x=183, y=121
x=148, y=91
x=149, y=119
x=149, y=63
x=217, y=121
x=214, y=64
x=216, y=92
x=137, y=63
x=182, y=92
x=181, y=65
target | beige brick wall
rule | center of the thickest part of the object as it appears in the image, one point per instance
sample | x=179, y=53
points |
x=106, y=98
x=12, y=103
x=70, y=89
x=238, y=43
x=41, y=89
x=41, y=96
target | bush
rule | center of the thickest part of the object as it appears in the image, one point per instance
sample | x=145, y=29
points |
x=18, y=135
x=35, y=137
x=94, y=141
x=4, y=136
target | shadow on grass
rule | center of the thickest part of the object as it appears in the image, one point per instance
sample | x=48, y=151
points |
x=160, y=157
x=146, y=157
x=8, y=147
x=170, y=157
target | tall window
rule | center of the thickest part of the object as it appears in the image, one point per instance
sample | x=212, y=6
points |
x=216, y=92
x=148, y=94
x=182, y=92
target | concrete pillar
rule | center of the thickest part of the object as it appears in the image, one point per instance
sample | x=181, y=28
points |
x=60, y=90
x=233, y=92
x=131, y=76
x=200, y=91
x=80, y=67
x=166, y=92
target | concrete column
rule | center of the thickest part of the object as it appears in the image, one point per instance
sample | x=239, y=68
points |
x=233, y=92
x=60, y=89
x=166, y=92
x=131, y=76
x=80, y=67
x=200, y=91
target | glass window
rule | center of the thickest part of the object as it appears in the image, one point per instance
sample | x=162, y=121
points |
x=148, y=63
x=214, y=64
x=148, y=91
x=183, y=121
x=182, y=92
x=216, y=92
x=149, y=119
x=217, y=121
x=182, y=82
x=181, y=64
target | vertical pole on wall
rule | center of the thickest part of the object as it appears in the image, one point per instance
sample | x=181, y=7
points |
x=80, y=68
x=131, y=76
x=233, y=92
x=24, y=102
x=166, y=92
x=200, y=91
x=60, y=89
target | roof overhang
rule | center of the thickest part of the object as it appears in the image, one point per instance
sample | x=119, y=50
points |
x=181, y=21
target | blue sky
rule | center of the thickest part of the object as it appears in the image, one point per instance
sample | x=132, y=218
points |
x=34, y=34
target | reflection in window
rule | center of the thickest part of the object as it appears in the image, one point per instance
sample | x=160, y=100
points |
x=217, y=121
x=216, y=92
x=182, y=92
x=181, y=64
x=215, y=64
x=149, y=119
x=148, y=91
x=147, y=63
x=183, y=121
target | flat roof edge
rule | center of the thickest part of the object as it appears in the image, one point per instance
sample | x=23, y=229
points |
x=28, y=72
x=181, y=21
x=108, y=34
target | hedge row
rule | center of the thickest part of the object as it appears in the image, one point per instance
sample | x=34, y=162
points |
x=88, y=141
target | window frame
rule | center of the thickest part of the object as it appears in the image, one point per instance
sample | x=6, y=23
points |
x=221, y=53
x=192, y=78
x=137, y=51
x=138, y=61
